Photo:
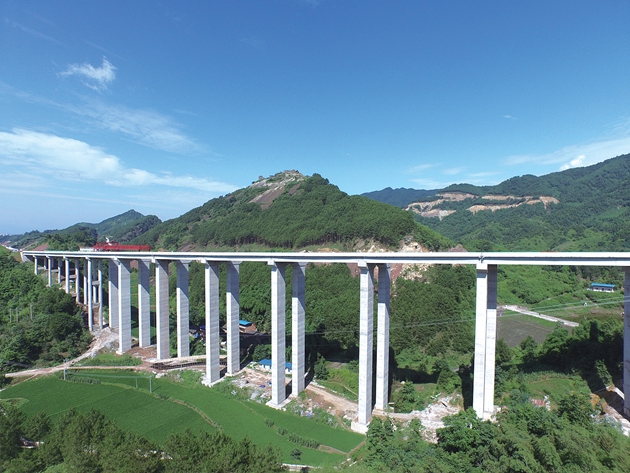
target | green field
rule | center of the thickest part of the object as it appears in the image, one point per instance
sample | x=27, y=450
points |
x=514, y=328
x=173, y=407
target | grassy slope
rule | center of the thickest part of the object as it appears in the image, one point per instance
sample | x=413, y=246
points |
x=157, y=418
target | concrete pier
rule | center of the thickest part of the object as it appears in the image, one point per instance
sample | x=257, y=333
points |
x=382, y=337
x=113, y=293
x=77, y=279
x=278, y=334
x=298, y=324
x=183, y=310
x=87, y=282
x=124, y=305
x=100, y=294
x=89, y=293
x=49, y=263
x=233, y=310
x=161, y=309
x=213, y=367
x=144, y=304
x=626, y=341
x=366, y=341
x=67, y=273
x=491, y=342
x=485, y=340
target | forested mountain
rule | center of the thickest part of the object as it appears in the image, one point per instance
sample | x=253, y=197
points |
x=290, y=211
x=121, y=228
x=581, y=209
x=39, y=325
x=400, y=197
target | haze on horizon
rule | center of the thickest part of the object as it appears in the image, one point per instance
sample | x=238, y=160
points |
x=110, y=106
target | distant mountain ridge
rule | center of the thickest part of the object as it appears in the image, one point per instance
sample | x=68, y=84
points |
x=400, y=197
x=122, y=228
x=580, y=209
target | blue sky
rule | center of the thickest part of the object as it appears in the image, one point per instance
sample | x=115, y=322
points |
x=161, y=106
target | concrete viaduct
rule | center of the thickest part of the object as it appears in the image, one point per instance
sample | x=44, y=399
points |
x=486, y=264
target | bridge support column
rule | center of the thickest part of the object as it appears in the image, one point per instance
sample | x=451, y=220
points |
x=113, y=294
x=87, y=282
x=67, y=273
x=183, y=314
x=278, y=335
x=77, y=279
x=382, y=338
x=161, y=309
x=366, y=341
x=58, y=264
x=36, y=268
x=213, y=368
x=485, y=340
x=100, y=294
x=88, y=292
x=124, y=306
x=144, y=304
x=233, y=309
x=49, y=263
x=298, y=323
x=626, y=342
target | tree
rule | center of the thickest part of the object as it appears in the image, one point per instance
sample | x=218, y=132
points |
x=504, y=353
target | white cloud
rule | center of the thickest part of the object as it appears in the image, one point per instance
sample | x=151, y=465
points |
x=453, y=171
x=581, y=154
x=31, y=31
x=146, y=127
x=253, y=41
x=98, y=77
x=429, y=183
x=574, y=163
x=73, y=160
x=420, y=168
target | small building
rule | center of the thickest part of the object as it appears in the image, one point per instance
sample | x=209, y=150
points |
x=195, y=331
x=601, y=287
x=266, y=365
x=245, y=326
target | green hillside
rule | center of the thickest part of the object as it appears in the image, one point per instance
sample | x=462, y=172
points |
x=290, y=211
x=581, y=209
